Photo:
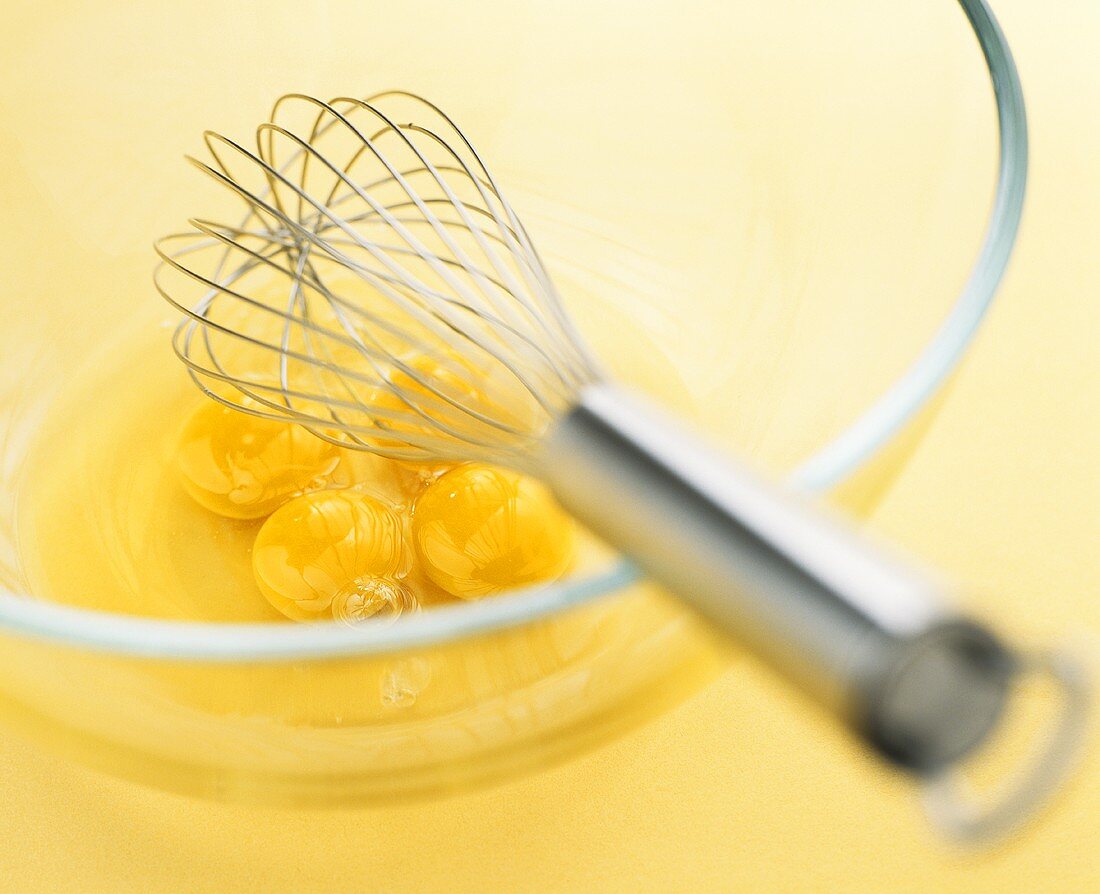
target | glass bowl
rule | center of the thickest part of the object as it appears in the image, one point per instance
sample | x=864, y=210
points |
x=757, y=258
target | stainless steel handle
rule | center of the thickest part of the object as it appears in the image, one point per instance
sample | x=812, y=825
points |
x=861, y=631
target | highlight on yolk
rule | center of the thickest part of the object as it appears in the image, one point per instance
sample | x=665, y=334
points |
x=243, y=466
x=479, y=530
x=333, y=554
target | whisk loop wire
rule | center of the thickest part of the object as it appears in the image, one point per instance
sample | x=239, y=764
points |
x=247, y=388
x=461, y=261
x=486, y=313
x=417, y=290
x=368, y=143
x=523, y=249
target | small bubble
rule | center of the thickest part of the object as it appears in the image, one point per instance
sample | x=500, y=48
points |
x=403, y=683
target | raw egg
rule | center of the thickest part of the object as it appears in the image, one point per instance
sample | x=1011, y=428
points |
x=243, y=466
x=334, y=554
x=479, y=530
x=402, y=418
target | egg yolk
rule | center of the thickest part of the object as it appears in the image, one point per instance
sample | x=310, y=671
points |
x=243, y=466
x=333, y=554
x=479, y=530
x=409, y=476
x=401, y=418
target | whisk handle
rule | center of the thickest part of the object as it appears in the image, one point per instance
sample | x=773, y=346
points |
x=864, y=633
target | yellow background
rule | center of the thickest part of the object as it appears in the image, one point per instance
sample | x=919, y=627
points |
x=737, y=789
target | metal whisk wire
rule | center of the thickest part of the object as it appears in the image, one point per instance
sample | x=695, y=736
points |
x=434, y=267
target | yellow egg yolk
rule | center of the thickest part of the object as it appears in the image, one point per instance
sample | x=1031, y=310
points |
x=479, y=530
x=402, y=418
x=333, y=554
x=243, y=466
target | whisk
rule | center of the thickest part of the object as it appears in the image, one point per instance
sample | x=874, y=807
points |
x=381, y=291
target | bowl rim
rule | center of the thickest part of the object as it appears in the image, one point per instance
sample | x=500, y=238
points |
x=861, y=440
